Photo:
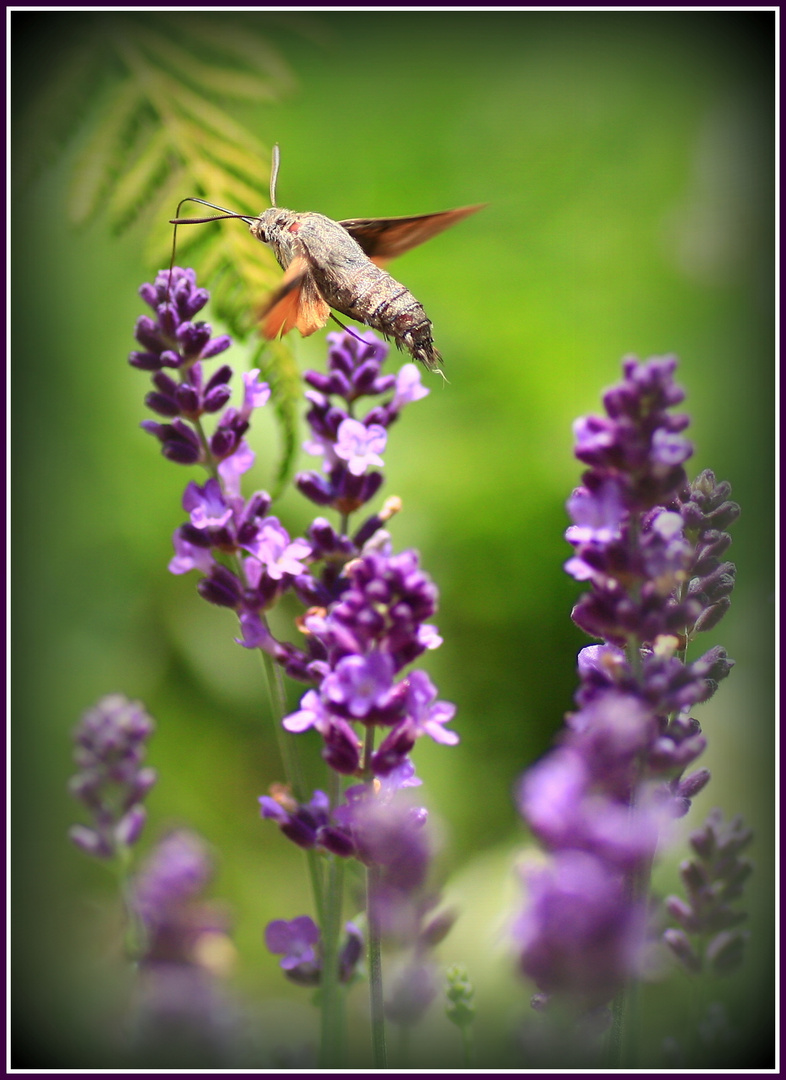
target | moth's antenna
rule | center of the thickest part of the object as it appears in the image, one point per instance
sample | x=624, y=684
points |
x=275, y=161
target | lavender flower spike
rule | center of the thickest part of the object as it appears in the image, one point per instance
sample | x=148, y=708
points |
x=648, y=545
x=112, y=782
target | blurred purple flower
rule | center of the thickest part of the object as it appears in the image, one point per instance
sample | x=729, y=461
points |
x=579, y=935
x=605, y=798
x=110, y=746
x=299, y=940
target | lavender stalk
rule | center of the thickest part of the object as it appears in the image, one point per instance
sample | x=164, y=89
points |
x=365, y=608
x=649, y=546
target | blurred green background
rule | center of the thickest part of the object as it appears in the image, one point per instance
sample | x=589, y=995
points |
x=627, y=162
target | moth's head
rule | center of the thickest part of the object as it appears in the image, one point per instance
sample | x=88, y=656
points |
x=271, y=225
x=259, y=228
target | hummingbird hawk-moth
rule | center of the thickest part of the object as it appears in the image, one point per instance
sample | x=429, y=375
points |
x=339, y=265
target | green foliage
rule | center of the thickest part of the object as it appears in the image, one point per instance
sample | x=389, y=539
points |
x=158, y=129
x=278, y=368
x=146, y=102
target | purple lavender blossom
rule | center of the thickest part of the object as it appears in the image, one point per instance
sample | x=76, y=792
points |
x=368, y=609
x=175, y=874
x=246, y=557
x=359, y=685
x=579, y=935
x=376, y=628
x=307, y=824
x=276, y=553
x=359, y=446
x=350, y=446
x=297, y=940
x=648, y=544
x=173, y=340
x=112, y=783
x=299, y=943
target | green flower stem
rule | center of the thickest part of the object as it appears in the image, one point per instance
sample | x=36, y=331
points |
x=466, y=1045
x=135, y=934
x=375, y=970
x=374, y=942
x=331, y=991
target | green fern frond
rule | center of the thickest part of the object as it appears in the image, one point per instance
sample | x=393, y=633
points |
x=278, y=368
x=157, y=249
x=141, y=182
x=211, y=120
x=102, y=157
x=244, y=198
x=238, y=43
x=245, y=167
x=204, y=76
x=159, y=131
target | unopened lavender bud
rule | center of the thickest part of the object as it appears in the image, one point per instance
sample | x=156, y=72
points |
x=725, y=515
x=703, y=843
x=342, y=748
x=719, y=583
x=220, y=587
x=708, y=620
x=336, y=840
x=708, y=491
x=438, y=928
x=680, y=945
x=691, y=785
x=460, y=993
x=726, y=951
x=315, y=488
x=351, y=952
x=682, y=912
x=143, y=782
x=712, y=545
x=89, y=841
x=129, y=828
x=323, y=536
x=693, y=877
